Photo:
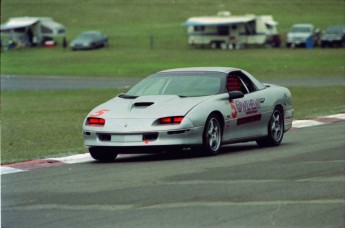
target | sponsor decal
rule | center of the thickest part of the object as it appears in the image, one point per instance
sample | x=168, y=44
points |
x=227, y=121
x=249, y=106
x=249, y=119
x=227, y=124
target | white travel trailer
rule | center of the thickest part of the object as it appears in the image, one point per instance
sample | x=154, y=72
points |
x=28, y=31
x=229, y=31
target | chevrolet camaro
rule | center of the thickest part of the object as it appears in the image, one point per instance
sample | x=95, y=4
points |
x=189, y=109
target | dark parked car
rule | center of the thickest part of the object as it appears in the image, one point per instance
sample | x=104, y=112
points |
x=333, y=36
x=89, y=40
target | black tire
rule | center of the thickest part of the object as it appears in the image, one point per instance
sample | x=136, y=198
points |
x=342, y=43
x=275, y=130
x=212, y=135
x=104, y=154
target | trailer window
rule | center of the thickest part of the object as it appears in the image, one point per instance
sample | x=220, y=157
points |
x=223, y=30
x=199, y=28
x=45, y=29
x=250, y=28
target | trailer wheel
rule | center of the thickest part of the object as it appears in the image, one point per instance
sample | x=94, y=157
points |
x=214, y=45
x=224, y=46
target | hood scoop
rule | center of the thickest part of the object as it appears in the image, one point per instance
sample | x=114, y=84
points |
x=143, y=104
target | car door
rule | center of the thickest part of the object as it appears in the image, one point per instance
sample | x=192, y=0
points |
x=247, y=113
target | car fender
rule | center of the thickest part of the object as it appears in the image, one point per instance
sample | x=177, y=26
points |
x=219, y=103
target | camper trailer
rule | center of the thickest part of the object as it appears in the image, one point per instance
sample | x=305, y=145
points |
x=31, y=31
x=232, y=32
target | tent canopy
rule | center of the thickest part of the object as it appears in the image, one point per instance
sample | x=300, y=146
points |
x=25, y=22
x=19, y=22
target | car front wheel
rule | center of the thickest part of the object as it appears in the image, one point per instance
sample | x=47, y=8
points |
x=212, y=136
x=275, y=129
x=104, y=154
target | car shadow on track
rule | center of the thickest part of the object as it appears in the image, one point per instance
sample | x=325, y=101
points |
x=182, y=155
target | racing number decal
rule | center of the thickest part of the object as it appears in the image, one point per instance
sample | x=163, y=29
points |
x=234, y=110
x=233, y=114
x=99, y=113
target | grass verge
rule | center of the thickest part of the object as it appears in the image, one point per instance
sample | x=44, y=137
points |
x=38, y=124
x=113, y=62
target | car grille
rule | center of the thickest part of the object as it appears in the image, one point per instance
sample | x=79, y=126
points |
x=128, y=137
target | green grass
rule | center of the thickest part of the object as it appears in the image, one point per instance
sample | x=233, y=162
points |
x=311, y=102
x=37, y=124
x=130, y=24
x=41, y=124
x=264, y=63
x=136, y=18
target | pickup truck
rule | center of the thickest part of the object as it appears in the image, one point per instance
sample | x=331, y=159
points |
x=302, y=35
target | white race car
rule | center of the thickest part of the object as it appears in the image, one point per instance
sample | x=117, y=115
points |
x=189, y=108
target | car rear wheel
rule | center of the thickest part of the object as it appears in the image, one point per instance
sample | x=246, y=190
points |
x=105, y=154
x=212, y=136
x=275, y=129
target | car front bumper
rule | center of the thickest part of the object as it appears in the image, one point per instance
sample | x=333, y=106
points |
x=175, y=137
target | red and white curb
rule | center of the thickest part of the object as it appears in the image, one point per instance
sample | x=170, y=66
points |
x=79, y=158
x=318, y=121
x=49, y=162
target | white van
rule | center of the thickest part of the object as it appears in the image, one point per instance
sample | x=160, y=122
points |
x=303, y=35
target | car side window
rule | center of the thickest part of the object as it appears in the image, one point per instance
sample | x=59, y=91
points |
x=248, y=84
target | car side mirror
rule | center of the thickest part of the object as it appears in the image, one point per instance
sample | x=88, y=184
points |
x=235, y=95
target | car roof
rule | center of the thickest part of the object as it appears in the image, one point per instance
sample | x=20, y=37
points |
x=225, y=70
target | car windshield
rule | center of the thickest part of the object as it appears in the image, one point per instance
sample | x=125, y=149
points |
x=87, y=36
x=301, y=29
x=183, y=84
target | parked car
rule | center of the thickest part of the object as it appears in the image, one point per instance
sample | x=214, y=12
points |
x=89, y=40
x=302, y=35
x=189, y=108
x=334, y=35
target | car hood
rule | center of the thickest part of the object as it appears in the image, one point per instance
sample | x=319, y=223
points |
x=148, y=107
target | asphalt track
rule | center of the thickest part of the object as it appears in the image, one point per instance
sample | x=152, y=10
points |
x=20, y=82
x=298, y=184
